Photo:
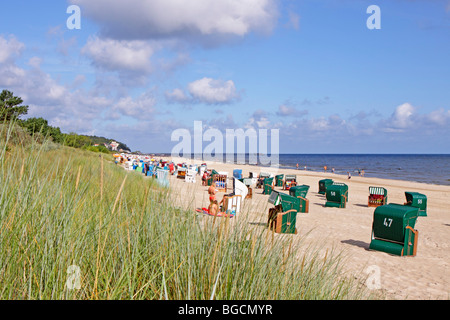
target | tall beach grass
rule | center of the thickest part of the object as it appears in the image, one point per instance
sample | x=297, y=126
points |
x=63, y=207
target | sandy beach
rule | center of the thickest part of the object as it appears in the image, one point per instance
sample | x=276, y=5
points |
x=348, y=230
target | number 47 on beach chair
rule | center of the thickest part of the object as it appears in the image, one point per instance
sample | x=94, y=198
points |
x=377, y=196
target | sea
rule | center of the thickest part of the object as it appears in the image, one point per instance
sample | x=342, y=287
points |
x=425, y=168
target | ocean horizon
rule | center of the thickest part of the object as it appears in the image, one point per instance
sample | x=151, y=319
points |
x=424, y=168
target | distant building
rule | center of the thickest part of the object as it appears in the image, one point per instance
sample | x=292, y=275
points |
x=114, y=145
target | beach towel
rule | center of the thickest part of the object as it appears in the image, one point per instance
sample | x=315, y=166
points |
x=228, y=214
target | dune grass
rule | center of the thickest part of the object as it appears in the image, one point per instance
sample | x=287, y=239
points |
x=63, y=207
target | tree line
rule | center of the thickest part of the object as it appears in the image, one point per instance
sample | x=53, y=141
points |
x=11, y=109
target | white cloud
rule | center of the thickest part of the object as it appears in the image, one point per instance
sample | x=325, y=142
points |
x=119, y=55
x=177, y=96
x=402, y=117
x=290, y=111
x=439, y=117
x=145, y=19
x=213, y=91
x=10, y=48
x=205, y=90
x=258, y=120
x=139, y=108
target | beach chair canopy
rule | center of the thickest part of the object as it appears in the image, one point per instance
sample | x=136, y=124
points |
x=239, y=188
x=378, y=191
x=299, y=191
x=263, y=175
x=237, y=173
x=417, y=200
x=287, y=202
x=274, y=198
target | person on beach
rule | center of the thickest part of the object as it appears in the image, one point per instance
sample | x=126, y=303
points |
x=297, y=166
x=213, y=208
x=145, y=168
x=204, y=178
x=212, y=193
x=362, y=173
x=325, y=168
x=332, y=170
x=349, y=175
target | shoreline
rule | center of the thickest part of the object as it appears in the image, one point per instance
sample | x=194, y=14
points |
x=327, y=174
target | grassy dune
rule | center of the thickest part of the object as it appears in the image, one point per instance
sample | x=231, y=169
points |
x=63, y=207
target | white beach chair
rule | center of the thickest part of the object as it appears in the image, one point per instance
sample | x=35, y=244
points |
x=190, y=176
x=234, y=201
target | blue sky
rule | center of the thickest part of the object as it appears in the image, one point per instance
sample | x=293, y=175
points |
x=138, y=70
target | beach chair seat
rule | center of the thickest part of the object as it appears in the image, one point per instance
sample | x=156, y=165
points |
x=181, y=174
x=282, y=222
x=190, y=176
x=162, y=177
x=232, y=204
x=377, y=196
x=290, y=180
x=393, y=230
x=220, y=182
x=261, y=178
x=337, y=195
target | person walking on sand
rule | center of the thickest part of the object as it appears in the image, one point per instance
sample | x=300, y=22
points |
x=349, y=175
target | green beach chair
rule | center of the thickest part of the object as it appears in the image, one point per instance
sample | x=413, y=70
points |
x=268, y=185
x=279, y=180
x=393, y=230
x=323, y=184
x=283, y=217
x=417, y=200
x=300, y=192
x=337, y=195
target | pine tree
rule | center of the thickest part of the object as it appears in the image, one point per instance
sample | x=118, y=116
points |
x=10, y=106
